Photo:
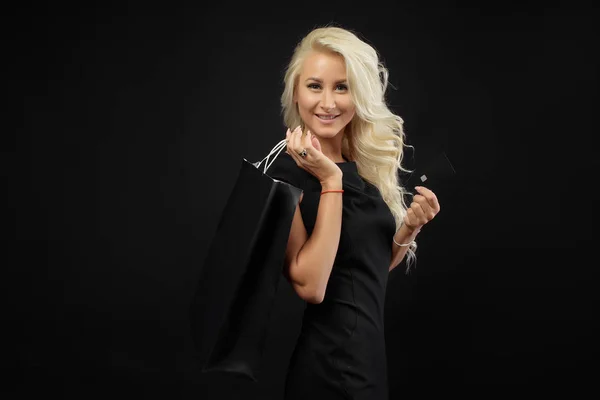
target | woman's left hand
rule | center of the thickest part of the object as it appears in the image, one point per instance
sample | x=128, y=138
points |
x=423, y=209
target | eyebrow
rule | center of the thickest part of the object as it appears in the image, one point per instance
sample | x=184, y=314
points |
x=312, y=78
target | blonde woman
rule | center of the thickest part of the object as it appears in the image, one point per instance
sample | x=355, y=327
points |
x=352, y=226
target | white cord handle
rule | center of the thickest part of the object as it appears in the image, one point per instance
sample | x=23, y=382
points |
x=277, y=149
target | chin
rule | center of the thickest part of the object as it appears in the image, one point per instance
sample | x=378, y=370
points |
x=327, y=132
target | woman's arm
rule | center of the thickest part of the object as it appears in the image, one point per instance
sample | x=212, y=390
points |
x=404, y=235
x=423, y=209
x=309, y=260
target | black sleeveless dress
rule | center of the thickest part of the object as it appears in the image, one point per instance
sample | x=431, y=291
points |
x=340, y=353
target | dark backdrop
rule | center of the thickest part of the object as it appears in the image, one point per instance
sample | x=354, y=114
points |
x=130, y=125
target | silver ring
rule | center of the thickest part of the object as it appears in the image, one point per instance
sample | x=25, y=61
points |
x=302, y=153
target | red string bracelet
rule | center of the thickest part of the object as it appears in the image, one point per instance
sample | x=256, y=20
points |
x=332, y=191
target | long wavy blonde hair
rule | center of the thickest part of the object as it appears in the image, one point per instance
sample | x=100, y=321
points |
x=375, y=137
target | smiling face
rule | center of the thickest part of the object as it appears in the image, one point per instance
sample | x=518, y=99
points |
x=322, y=94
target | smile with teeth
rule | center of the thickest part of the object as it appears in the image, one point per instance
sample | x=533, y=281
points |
x=327, y=116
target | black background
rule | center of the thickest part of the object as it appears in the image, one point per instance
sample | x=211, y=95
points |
x=130, y=122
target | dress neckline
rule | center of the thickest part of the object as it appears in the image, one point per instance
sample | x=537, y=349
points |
x=345, y=161
x=351, y=175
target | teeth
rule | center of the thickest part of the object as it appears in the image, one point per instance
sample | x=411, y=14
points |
x=324, y=117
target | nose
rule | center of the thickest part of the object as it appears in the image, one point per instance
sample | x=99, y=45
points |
x=327, y=101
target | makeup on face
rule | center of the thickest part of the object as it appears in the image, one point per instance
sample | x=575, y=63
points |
x=323, y=95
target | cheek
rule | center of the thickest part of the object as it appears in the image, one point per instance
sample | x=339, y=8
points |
x=306, y=101
x=301, y=102
x=346, y=105
x=350, y=111
x=348, y=116
x=304, y=109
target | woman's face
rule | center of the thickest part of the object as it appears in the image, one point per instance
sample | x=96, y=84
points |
x=322, y=94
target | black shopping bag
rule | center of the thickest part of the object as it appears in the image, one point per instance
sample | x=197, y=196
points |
x=232, y=305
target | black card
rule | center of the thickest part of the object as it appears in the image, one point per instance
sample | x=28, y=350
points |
x=437, y=174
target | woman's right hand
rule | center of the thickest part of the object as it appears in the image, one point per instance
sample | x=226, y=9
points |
x=315, y=162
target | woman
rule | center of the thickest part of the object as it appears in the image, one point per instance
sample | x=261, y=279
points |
x=352, y=226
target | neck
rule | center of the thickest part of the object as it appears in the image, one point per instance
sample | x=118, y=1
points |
x=332, y=147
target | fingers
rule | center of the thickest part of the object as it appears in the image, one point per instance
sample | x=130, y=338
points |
x=423, y=209
x=315, y=143
x=415, y=217
x=310, y=142
x=419, y=213
x=410, y=220
x=288, y=138
x=297, y=140
x=300, y=141
x=432, y=199
x=425, y=206
x=306, y=142
x=292, y=146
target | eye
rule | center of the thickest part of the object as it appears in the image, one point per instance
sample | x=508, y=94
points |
x=316, y=86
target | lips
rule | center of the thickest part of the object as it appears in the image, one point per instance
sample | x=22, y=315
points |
x=327, y=117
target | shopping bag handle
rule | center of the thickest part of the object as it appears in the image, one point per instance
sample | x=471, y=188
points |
x=276, y=149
